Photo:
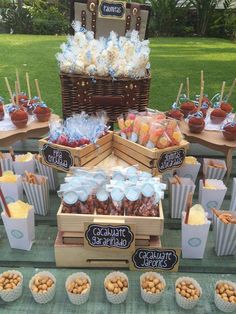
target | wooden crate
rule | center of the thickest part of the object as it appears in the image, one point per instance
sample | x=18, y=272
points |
x=77, y=255
x=144, y=225
x=155, y=161
x=63, y=157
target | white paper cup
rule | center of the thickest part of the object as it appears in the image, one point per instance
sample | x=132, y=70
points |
x=78, y=299
x=222, y=305
x=43, y=298
x=120, y=297
x=182, y=301
x=13, y=294
x=152, y=298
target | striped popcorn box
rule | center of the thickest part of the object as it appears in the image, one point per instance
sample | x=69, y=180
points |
x=6, y=162
x=214, y=168
x=211, y=195
x=189, y=171
x=12, y=191
x=21, y=166
x=166, y=175
x=225, y=237
x=179, y=194
x=38, y=194
x=233, y=197
x=48, y=172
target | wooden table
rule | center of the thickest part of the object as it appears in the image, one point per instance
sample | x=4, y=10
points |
x=35, y=129
x=213, y=140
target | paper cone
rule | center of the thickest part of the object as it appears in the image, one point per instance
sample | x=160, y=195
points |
x=212, y=198
x=120, y=297
x=20, y=232
x=189, y=171
x=13, y=294
x=225, y=237
x=233, y=197
x=12, y=191
x=48, y=172
x=194, y=238
x=38, y=195
x=178, y=196
x=184, y=302
x=43, y=298
x=78, y=299
x=6, y=163
x=224, y=306
x=214, y=173
x=21, y=167
x=151, y=298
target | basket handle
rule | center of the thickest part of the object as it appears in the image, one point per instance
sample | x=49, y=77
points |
x=99, y=100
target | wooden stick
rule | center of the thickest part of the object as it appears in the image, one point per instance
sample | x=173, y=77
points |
x=231, y=89
x=9, y=91
x=7, y=211
x=11, y=151
x=28, y=84
x=222, y=91
x=177, y=178
x=188, y=90
x=18, y=79
x=17, y=93
x=38, y=90
x=202, y=78
x=201, y=97
x=179, y=92
x=189, y=204
x=204, y=181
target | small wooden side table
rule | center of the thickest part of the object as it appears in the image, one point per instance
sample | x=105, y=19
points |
x=213, y=140
x=35, y=129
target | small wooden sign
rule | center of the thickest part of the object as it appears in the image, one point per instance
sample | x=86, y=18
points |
x=112, y=9
x=171, y=159
x=163, y=259
x=61, y=158
x=110, y=236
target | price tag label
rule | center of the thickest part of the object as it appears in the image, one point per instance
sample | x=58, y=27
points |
x=61, y=158
x=112, y=9
x=171, y=159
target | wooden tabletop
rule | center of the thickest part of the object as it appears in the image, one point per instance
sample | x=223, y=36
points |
x=35, y=129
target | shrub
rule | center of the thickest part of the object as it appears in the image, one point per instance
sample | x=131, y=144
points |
x=16, y=20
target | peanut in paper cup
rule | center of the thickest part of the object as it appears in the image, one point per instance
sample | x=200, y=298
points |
x=152, y=297
x=182, y=301
x=13, y=294
x=78, y=299
x=221, y=304
x=46, y=297
x=120, y=297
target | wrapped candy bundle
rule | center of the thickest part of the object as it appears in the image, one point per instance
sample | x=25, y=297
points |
x=144, y=131
x=78, y=130
x=124, y=56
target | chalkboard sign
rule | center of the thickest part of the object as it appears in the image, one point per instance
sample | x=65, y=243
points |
x=112, y=9
x=61, y=158
x=154, y=258
x=171, y=159
x=109, y=236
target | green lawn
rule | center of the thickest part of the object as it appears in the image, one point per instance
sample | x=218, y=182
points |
x=172, y=59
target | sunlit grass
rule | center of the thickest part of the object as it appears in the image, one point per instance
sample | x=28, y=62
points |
x=172, y=59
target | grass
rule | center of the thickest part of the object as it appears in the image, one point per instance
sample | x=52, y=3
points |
x=172, y=59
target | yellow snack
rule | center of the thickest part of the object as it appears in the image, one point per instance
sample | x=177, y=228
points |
x=8, y=176
x=209, y=186
x=196, y=215
x=19, y=209
x=24, y=158
x=190, y=160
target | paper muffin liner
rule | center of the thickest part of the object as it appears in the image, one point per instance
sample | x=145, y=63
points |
x=182, y=301
x=13, y=294
x=6, y=163
x=152, y=297
x=222, y=305
x=120, y=297
x=214, y=173
x=38, y=195
x=43, y=298
x=179, y=195
x=78, y=299
x=225, y=237
x=48, y=172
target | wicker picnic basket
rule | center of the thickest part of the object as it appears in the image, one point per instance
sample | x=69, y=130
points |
x=83, y=93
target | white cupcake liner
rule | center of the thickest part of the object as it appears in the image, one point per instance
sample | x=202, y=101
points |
x=120, y=297
x=78, y=299
x=43, y=298
x=182, y=301
x=13, y=294
x=152, y=297
x=222, y=305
